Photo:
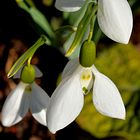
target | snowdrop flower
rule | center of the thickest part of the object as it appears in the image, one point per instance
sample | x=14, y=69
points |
x=67, y=100
x=27, y=95
x=114, y=16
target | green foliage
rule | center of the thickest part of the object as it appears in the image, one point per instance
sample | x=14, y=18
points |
x=121, y=63
x=38, y=17
x=82, y=27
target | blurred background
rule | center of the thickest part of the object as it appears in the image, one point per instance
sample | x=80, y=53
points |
x=20, y=28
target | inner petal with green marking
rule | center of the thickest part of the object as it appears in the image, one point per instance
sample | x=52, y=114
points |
x=28, y=89
x=86, y=80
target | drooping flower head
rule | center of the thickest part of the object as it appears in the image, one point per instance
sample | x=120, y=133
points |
x=114, y=16
x=27, y=95
x=79, y=77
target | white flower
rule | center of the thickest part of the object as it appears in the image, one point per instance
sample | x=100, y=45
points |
x=67, y=100
x=24, y=97
x=114, y=17
x=69, y=5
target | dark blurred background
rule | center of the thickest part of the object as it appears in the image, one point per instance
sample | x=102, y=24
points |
x=18, y=31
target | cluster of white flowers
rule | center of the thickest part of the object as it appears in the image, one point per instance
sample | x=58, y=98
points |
x=66, y=103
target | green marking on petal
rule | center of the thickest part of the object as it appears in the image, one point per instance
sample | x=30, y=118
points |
x=28, y=89
x=86, y=80
x=85, y=90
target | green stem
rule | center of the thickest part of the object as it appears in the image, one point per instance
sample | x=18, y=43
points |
x=82, y=28
x=30, y=3
x=92, y=23
x=29, y=61
x=22, y=5
x=82, y=11
x=26, y=56
x=39, y=43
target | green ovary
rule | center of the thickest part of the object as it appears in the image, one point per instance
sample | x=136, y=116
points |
x=28, y=74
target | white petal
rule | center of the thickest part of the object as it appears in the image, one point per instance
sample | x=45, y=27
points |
x=86, y=80
x=17, y=75
x=106, y=97
x=66, y=103
x=69, y=5
x=38, y=72
x=15, y=106
x=39, y=103
x=115, y=19
x=70, y=67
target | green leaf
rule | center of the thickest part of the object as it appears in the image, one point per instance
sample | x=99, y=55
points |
x=41, y=20
x=82, y=27
x=37, y=16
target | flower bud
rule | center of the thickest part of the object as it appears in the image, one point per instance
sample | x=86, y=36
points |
x=87, y=54
x=28, y=74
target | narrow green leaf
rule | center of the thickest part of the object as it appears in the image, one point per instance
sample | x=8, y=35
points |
x=41, y=20
x=81, y=29
x=37, y=16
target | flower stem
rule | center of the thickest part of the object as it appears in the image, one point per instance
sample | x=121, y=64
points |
x=92, y=23
x=82, y=27
x=27, y=56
